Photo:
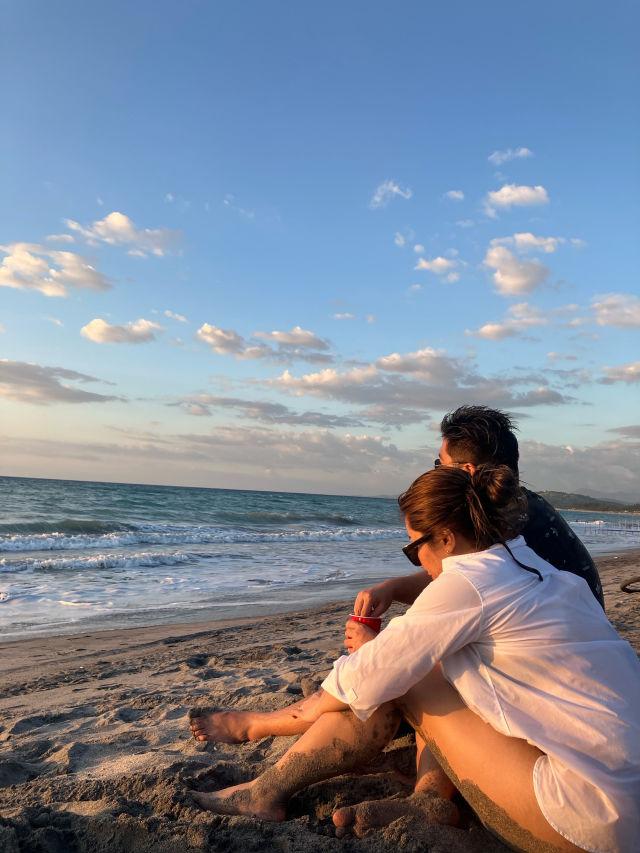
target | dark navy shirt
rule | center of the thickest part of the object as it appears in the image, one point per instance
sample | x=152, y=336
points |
x=551, y=538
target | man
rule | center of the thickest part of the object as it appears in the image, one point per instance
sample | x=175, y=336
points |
x=471, y=436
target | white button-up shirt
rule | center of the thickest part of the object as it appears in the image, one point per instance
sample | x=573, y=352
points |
x=538, y=661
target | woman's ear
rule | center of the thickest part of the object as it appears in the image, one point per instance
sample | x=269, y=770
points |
x=447, y=542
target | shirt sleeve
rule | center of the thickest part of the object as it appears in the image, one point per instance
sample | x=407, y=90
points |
x=446, y=616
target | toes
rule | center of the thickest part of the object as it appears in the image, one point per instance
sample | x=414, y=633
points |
x=344, y=817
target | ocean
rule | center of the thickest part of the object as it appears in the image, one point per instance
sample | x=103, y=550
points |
x=82, y=556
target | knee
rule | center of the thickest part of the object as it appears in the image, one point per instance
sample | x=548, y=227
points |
x=431, y=695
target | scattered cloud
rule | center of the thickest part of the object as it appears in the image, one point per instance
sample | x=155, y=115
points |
x=386, y=191
x=138, y=332
x=54, y=320
x=617, y=309
x=520, y=317
x=264, y=411
x=399, y=239
x=631, y=431
x=229, y=201
x=35, y=383
x=525, y=241
x=60, y=238
x=296, y=344
x=629, y=373
x=465, y=223
x=513, y=276
x=418, y=249
x=30, y=266
x=423, y=381
x=370, y=318
x=513, y=195
x=500, y=157
x=117, y=229
x=444, y=267
x=455, y=195
x=173, y=316
x=344, y=316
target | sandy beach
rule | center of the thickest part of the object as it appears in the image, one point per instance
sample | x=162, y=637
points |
x=95, y=752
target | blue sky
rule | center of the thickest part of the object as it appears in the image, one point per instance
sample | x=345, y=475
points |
x=358, y=219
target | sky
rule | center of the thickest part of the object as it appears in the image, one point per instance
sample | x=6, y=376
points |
x=269, y=244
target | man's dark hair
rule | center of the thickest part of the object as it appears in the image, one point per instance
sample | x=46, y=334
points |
x=478, y=434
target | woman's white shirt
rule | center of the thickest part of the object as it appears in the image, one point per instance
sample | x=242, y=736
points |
x=536, y=660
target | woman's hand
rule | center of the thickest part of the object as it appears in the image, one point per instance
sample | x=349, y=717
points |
x=375, y=600
x=356, y=635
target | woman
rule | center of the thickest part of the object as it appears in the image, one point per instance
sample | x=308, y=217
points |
x=507, y=669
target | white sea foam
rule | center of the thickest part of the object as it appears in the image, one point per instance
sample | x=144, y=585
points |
x=174, y=535
x=133, y=560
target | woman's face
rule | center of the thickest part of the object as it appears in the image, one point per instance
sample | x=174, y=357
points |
x=431, y=553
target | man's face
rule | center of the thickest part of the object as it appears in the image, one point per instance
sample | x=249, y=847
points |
x=445, y=459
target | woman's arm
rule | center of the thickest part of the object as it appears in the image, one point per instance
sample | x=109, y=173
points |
x=377, y=599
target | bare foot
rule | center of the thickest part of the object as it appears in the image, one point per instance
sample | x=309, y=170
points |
x=374, y=814
x=240, y=799
x=219, y=726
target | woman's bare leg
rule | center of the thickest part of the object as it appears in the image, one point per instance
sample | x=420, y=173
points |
x=493, y=772
x=335, y=743
x=430, y=801
x=240, y=726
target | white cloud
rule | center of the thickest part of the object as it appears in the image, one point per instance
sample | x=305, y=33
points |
x=399, y=239
x=30, y=266
x=344, y=316
x=415, y=288
x=629, y=373
x=298, y=343
x=296, y=337
x=223, y=341
x=138, y=332
x=386, y=191
x=418, y=249
x=500, y=157
x=370, y=318
x=520, y=317
x=60, y=238
x=55, y=321
x=455, y=195
x=117, y=229
x=439, y=265
x=525, y=241
x=513, y=276
x=465, y=223
x=35, y=383
x=173, y=316
x=617, y=309
x=512, y=195
x=424, y=381
x=99, y=201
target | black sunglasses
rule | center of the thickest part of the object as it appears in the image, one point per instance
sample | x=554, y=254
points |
x=411, y=550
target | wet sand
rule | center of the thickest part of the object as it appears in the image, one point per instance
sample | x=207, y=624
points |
x=95, y=753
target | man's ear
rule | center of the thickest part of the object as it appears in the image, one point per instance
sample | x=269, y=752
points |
x=469, y=467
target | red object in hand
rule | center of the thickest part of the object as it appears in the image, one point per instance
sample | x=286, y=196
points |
x=373, y=622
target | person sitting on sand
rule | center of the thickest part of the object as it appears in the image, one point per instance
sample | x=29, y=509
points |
x=507, y=669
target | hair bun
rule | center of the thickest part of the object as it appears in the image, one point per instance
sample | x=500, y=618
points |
x=497, y=483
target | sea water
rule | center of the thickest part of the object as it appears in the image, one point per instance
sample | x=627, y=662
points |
x=78, y=556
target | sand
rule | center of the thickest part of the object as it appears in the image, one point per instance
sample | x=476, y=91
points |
x=95, y=752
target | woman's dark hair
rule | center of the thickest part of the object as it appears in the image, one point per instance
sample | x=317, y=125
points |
x=486, y=507
x=479, y=435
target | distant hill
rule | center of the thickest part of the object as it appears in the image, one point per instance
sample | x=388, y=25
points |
x=568, y=500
